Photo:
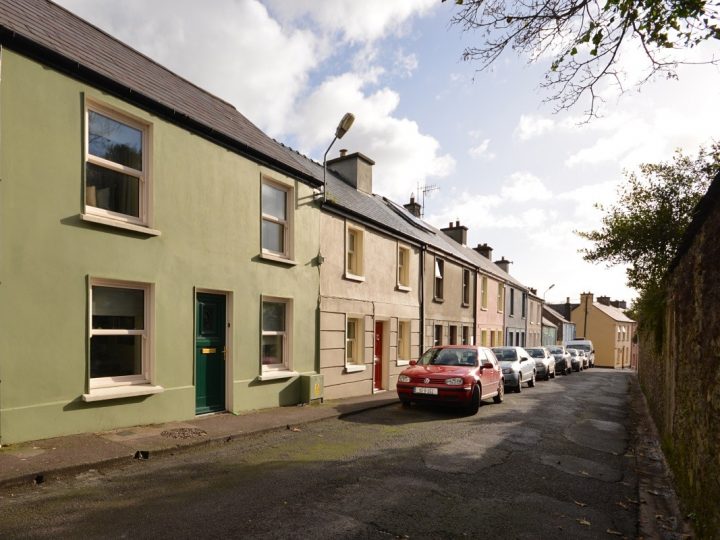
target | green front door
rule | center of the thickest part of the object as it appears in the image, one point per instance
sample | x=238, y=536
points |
x=210, y=353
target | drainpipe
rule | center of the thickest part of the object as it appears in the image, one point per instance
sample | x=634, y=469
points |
x=585, y=335
x=423, y=249
x=475, y=307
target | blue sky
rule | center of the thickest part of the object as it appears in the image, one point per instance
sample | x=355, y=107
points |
x=521, y=178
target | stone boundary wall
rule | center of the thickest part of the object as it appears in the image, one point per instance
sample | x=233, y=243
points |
x=682, y=382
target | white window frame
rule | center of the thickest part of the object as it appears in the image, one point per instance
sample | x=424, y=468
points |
x=465, y=287
x=356, y=273
x=357, y=361
x=403, y=271
x=287, y=335
x=144, y=177
x=287, y=223
x=439, y=280
x=101, y=388
x=404, y=343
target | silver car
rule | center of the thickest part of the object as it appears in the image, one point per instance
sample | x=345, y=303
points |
x=517, y=367
x=544, y=362
x=562, y=359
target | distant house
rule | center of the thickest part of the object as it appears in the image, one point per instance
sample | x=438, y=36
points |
x=534, y=319
x=610, y=330
x=549, y=332
x=565, y=328
x=516, y=307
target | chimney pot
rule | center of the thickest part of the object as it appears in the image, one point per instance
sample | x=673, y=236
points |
x=343, y=152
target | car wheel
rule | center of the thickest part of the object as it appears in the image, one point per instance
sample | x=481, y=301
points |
x=474, y=401
x=552, y=375
x=531, y=382
x=518, y=388
x=501, y=393
x=405, y=402
x=547, y=374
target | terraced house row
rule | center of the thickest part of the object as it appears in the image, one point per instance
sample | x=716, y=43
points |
x=161, y=257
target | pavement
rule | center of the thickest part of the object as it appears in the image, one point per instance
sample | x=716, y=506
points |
x=36, y=462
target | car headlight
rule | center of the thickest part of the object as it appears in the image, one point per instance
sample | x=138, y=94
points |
x=454, y=381
x=403, y=378
x=507, y=370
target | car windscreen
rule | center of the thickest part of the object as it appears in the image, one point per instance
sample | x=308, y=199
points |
x=449, y=357
x=505, y=355
x=581, y=346
x=556, y=350
x=536, y=353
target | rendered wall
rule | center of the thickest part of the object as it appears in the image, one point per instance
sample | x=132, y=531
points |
x=375, y=299
x=206, y=205
x=450, y=311
x=489, y=319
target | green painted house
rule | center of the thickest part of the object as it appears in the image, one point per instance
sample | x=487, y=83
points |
x=158, y=252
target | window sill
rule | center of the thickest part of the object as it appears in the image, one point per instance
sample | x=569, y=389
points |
x=402, y=362
x=119, y=224
x=465, y=304
x=403, y=288
x=278, y=259
x=354, y=369
x=353, y=277
x=438, y=300
x=119, y=392
x=483, y=309
x=275, y=375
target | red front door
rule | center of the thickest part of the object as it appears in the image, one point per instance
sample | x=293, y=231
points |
x=377, y=380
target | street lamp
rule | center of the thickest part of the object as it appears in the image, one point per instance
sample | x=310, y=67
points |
x=546, y=290
x=340, y=131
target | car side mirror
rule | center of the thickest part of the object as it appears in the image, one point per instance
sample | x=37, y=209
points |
x=488, y=365
x=413, y=362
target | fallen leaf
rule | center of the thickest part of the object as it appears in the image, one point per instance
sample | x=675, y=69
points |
x=628, y=499
x=580, y=504
x=622, y=505
x=583, y=521
x=653, y=492
x=614, y=533
x=296, y=429
x=585, y=473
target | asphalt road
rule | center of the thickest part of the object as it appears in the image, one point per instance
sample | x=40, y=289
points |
x=552, y=462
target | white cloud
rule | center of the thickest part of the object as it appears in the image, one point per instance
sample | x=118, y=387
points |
x=356, y=21
x=531, y=126
x=480, y=151
x=404, y=156
x=405, y=64
x=524, y=186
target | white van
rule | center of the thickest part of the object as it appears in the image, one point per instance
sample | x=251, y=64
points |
x=583, y=345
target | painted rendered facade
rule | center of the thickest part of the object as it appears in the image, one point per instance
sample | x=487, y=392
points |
x=372, y=301
x=610, y=330
x=534, y=322
x=202, y=232
x=449, y=293
x=490, y=317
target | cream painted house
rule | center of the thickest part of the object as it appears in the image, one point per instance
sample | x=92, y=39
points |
x=607, y=326
x=369, y=285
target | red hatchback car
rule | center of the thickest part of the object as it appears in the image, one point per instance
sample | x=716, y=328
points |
x=461, y=375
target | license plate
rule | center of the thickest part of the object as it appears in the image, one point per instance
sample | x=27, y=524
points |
x=423, y=390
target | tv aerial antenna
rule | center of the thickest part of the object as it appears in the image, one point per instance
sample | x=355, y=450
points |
x=422, y=191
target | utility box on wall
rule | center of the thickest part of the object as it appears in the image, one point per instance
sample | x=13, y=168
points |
x=311, y=388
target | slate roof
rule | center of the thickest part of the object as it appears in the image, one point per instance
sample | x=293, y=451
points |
x=613, y=312
x=82, y=50
x=390, y=215
x=558, y=316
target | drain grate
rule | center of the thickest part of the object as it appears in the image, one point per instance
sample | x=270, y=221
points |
x=184, y=433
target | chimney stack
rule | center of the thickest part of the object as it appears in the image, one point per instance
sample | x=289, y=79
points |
x=504, y=264
x=413, y=207
x=484, y=250
x=457, y=232
x=604, y=300
x=355, y=169
x=620, y=304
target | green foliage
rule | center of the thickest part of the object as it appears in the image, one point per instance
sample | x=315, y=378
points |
x=646, y=224
x=585, y=39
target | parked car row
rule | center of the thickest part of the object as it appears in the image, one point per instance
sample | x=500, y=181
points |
x=465, y=375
